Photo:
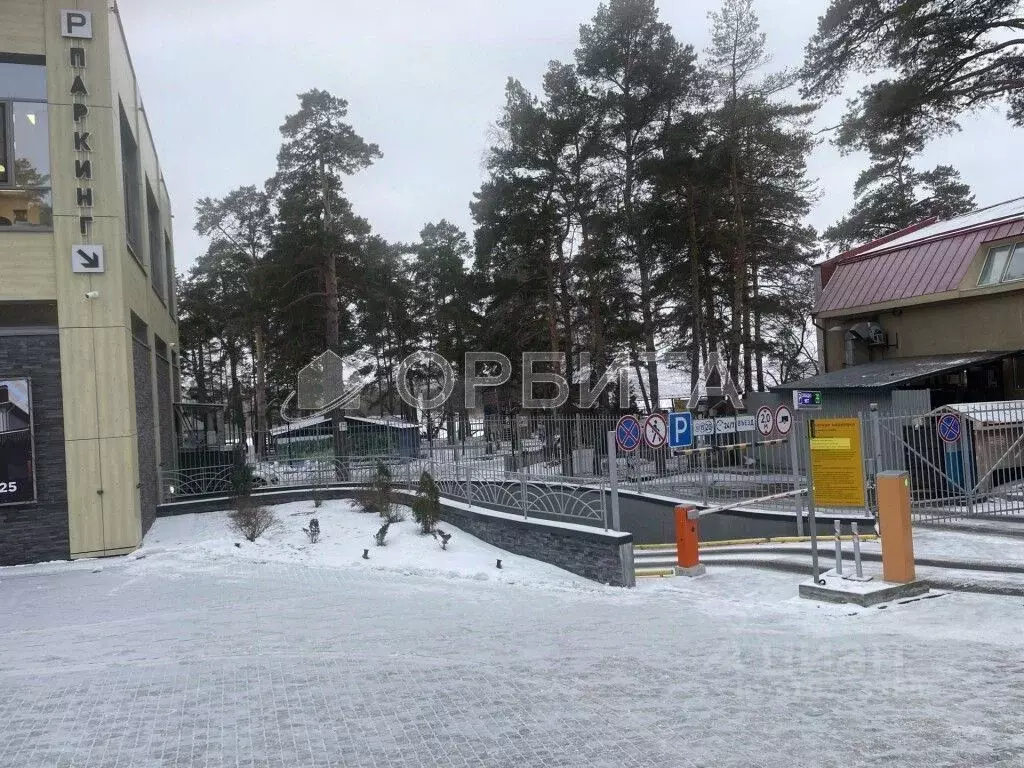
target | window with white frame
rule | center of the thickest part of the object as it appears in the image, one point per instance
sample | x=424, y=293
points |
x=1003, y=264
x=25, y=201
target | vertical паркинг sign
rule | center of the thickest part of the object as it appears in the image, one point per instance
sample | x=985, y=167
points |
x=837, y=465
x=78, y=26
x=17, y=469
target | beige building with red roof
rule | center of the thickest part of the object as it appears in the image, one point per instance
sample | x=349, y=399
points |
x=937, y=306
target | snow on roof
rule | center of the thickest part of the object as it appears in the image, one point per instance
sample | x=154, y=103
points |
x=881, y=374
x=1010, y=209
x=995, y=412
x=384, y=421
x=312, y=421
x=927, y=261
x=291, y=426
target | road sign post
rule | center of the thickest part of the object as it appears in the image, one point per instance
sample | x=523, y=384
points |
x=613, y=478
x=794, y=460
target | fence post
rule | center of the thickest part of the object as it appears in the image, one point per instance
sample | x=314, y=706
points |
x=522, y=497
x=469, y=485
x=702, y=462
x=858, y=568
x=876, y=449
x=794, y=461
x=838, y=527
x=812, y=519
x=613, y=481
x=965, y=462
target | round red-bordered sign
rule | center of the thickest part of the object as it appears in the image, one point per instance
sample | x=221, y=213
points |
x=765, y=421
x=783, y=420
x=656, y=430
x=627, y=433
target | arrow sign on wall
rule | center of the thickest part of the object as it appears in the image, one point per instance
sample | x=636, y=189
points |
x=87, y=258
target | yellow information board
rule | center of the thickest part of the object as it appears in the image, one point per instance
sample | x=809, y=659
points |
x=837, y=466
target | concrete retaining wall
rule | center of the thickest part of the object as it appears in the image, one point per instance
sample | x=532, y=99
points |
x=603, y=556
x=651, y=517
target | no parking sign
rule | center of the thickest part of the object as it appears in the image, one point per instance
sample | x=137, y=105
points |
x=627, y=433
x=949, y=427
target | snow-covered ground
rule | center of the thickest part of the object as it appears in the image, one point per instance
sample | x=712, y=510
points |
x=197, y=652
x=207, y=539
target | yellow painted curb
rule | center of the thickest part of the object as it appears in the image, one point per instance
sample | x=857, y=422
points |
x=746, y=542
x=654, y=574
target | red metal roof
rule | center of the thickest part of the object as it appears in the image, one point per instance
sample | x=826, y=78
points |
x=921, y=260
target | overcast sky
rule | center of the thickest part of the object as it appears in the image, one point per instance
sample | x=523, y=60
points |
x=425, y=81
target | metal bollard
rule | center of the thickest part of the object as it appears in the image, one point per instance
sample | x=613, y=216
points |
x=839, y=548
x=858, y=570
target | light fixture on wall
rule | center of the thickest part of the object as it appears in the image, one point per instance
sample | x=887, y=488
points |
x=836, y=329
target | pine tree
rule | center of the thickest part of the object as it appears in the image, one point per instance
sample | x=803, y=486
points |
x=941, y=59
x=641, y=77
x=243, y=221
x=319, y=148
x=426, y=507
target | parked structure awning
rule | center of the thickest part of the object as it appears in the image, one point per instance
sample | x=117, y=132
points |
x=883, y=374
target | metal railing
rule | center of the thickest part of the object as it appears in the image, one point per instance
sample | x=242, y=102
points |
x=557, y=464
x=963, y=460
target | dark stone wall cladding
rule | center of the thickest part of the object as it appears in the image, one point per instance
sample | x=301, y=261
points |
x=31, y=533
x=595, y=556
x=145, y=423
x=168, y=459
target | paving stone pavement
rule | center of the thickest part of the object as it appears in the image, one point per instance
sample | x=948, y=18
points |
x=150, y=664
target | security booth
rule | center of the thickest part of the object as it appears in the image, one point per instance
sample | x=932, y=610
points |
x=368, y=436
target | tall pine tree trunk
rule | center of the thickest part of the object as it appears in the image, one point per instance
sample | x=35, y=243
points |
x=332, y=312
x=696, y=291
x=260, y=422
x=739, y=273
x=758, y=348
x=748, y=363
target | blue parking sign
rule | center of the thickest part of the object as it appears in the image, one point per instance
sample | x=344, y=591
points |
x=680, y=430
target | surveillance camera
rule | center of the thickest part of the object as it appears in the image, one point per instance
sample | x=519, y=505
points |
x=172, y=345
x=92, y=294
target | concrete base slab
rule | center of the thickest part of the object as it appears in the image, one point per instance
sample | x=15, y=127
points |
x=836, y=589
x=695, y=570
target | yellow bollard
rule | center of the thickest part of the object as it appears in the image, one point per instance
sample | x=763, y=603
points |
x=895, y=528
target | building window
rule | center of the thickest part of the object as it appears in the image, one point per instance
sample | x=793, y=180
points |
x=169, y=260
x=156, y=251
x=131, y=182
x=25, y=201
x=17, y=457
x=1004, y=264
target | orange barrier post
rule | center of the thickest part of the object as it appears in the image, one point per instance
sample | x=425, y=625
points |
x=895, y=528
x=688, y=554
